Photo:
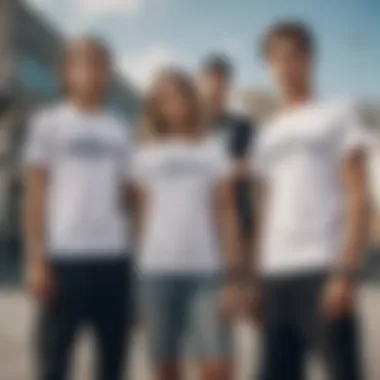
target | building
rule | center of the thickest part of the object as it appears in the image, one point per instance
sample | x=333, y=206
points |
x=257, y=105
x=373, y=116
x=28, y=49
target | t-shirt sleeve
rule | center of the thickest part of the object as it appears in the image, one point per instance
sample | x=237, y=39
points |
x=38, y=149
x=353, y=133
x=224, y=164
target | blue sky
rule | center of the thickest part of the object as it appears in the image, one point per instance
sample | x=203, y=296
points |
x=146, y=34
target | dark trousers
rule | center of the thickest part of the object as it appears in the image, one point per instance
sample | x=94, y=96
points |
x=98, y=293
x=293, y=325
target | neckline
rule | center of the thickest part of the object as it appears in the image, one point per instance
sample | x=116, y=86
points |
x=285, y=113
x=76, y=111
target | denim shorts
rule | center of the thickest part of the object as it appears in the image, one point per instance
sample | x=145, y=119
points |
x=184, y=311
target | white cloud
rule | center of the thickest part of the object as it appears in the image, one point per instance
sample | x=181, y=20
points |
x=140, y=69
x=79, y=15
x=82, y=12
x=99, y=7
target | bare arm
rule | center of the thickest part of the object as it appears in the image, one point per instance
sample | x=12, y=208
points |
x=39, y=278
x=228, y=226
x=356, y=206
x=260, y=198
x=34, y=213
x=232, y=303
x=339, y=295
x=135, y=200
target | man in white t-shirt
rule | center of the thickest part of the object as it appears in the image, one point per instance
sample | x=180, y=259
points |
x=310, y=161
x=77, y=165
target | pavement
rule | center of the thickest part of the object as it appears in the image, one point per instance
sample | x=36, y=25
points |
x=16, y=322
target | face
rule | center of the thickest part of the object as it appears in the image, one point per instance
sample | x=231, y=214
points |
x=174, y=105
x=289, y=64
x=87, y=71
x=213, y=89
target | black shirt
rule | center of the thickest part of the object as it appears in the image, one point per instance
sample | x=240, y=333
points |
x=237, y=131
x=238, y=134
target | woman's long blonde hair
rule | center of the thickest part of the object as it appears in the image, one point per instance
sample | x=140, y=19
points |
x=153, y=125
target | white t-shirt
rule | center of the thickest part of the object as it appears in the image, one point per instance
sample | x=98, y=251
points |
x=299, y=154
x=88, y=160
x=178, y=180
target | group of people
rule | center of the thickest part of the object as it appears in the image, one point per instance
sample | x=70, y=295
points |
x=196, y=217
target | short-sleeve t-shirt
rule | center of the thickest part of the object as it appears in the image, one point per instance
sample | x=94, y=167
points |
x=180, y=232
x=88, y=160
x=299, y=155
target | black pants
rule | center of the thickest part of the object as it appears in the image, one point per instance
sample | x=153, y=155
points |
x=95, y=292
x=293, y=324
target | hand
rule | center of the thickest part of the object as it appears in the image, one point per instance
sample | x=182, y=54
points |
x=338, y=297
x=39, y=280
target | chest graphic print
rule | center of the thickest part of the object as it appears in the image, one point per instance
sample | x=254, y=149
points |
x=92, y=147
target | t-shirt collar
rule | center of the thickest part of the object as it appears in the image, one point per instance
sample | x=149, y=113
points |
x=77, y=112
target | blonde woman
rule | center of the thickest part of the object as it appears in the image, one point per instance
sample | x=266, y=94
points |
x=188, y=233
